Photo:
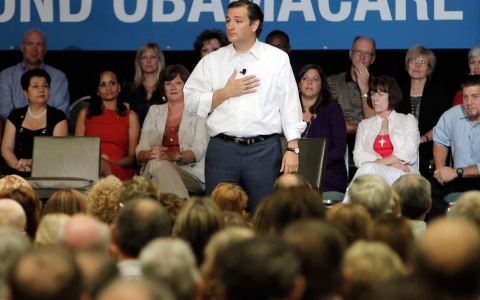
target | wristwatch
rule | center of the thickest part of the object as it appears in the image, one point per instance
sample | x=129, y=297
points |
x=460, y=172
x=294, y=150
x=365, y=95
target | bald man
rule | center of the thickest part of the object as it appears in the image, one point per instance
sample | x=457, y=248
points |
x=448, y=255
x=12, y=214
x=85, y=233
x=290, y=180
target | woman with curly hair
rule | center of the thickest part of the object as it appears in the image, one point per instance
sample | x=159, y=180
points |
x=102, y=198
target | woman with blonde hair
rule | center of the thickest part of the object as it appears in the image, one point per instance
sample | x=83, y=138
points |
x=231, y=197
x=102, y=198
x=145, y=91
x=68, y=201
x=50, y=228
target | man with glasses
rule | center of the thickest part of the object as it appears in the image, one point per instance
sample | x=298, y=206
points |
x=351, y=88
x=280, y=39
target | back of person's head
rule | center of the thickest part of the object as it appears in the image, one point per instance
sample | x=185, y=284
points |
x=140, y=289
x=395, y=232
x=173, y=262
x=217, y=243
x=139, y=222
x=230, y=197
x=12, y=246
x=370, y=264
x=407, y=288
x=234, y=219
x=321, y=246
x=97, y=269
x=102, y=198
x=85, y=233
x=46, y=273
x=172, y=203
x=197, y=221
x=30, y=203
x=467, y=207
x=414, y=193
x=373, y=192
x=259, y=268
x=290, y=180
x=13, y=181
x=12, y=214
x=68, y=201
x=285, y=206
x=448, y=255
x=353, y=218
x=138, y=188
x=50, y=228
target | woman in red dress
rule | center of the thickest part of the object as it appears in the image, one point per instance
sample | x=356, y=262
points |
x=116, y=125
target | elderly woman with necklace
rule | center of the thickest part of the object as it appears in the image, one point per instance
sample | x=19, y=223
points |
x=324, y=119
x=35, y=119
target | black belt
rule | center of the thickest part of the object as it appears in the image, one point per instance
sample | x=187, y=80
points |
x=245, y=140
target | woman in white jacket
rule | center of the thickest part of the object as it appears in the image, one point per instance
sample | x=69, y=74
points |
x=386, y=144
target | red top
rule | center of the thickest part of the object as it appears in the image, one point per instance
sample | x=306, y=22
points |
x=170, y=138
x=383, y=145
x=458, y=98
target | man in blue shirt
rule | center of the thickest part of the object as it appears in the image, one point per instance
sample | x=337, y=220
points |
x=458, y=129
x=33, y=48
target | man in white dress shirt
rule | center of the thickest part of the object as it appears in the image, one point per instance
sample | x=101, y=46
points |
x=248, y=94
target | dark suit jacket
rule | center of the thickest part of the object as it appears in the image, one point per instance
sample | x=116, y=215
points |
x=433, y=104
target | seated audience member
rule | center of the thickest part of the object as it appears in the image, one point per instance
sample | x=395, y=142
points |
x=172, y=261
x=370, y=264
x=234, y=219
x=386, y=144
x=12, y=214
x=396, y=233
x=138, y=223
x=457, y=130
x=424, y=99
x=231, y=197
x=285, y=206
x=467, y=207
x=37, y=118
x=108, y=118
x=97, y=269
x=84, y=233
x=217, y=243
x=280, y=39
x=415, y=202
x=447, y=256
x=173, y=142
x=208, y=41
x=102, y=198
x=68, y=201
x=14, y=244
x=324, y=119
x=198, y=220
x=411, y=288
x=50, y=228
x=13, y=181
x=30, y=203
x=372, y=192
x=138, y=188
x=474, y=66
x=36, y=275
x=260, y=268
x=33, y=48
x=145, y=90
x=354, y=219
x=173, y=204
x=289, y=180
x=140, y=289
x=321, y=247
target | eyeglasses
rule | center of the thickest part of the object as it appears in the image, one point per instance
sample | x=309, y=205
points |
x=281, y=46
x=360, y=52
x=415, y=61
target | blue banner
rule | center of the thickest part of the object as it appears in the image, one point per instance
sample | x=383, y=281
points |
x=174, y=24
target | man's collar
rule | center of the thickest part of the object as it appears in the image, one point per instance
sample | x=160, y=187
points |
x=25, y=69
x=255, y=50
